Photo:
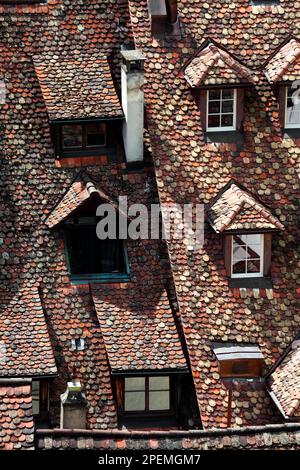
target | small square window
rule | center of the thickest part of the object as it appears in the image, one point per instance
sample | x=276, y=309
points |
x=147, y=394
x=221, y=110
x=247, y=255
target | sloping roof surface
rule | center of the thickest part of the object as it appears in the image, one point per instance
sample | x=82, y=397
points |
x=236, y=209
x=78, y=86
x=16, y=420
x=138, y=328
x=284, y=382
x=25, y=347
x=285, y=64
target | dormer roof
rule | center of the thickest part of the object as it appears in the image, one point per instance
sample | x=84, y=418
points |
x=236, y=209
x=212, y=65
x=77, y=87
x=284, y=65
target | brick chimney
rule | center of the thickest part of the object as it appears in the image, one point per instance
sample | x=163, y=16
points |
x=132, y=73
x=73, y=407
x=172, y=11
x=163, y=17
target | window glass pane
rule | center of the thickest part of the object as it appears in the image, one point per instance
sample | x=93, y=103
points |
x=134, y=401
x=253, y=239
x=95, y=135
x=135, y=383
x=72, y=136
x=214, y=94
x=239, y=267
x=227, y=120
x=253, y=251
x=239, y=252
x=227, y=94
x=227, y=106
x=159, y=400
x=214, y=107
x=253, y=266
x=35, y=392
x=213, y=121
x=293, y=106
x=159, y=383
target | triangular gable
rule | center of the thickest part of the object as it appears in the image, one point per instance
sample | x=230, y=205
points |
x=284, y=382
x=80, y=191
x=284, y=65
x=236, y=209
x=214, y=66
x=77, y=87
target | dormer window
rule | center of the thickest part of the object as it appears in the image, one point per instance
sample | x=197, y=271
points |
x=83, y=136
x=221, y=109
x=292, y=106
x=247, y=227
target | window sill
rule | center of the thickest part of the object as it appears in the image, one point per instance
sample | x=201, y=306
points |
x=99, y=278
x=251, y=283
x=228, y=137
x=291, y=133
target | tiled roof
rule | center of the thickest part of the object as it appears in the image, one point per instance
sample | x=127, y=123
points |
x=25, y=347
x=79, y=192
x=236, y=209
x=78, y=86
x=138, y=328
x=285, y=64
x=284, y=382
x=214, y=66
x=16, y=420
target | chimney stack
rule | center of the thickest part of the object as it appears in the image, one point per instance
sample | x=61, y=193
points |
x=73, y=407
x=158, y=16
x=132, y=74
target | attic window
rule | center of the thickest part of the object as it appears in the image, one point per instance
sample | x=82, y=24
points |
x=221, y=109
x=247, y=255
x=40, y=399
x=78, y=344
x=90, y=258
x=238, y=360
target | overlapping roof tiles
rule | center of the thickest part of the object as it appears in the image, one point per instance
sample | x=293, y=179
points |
x=236, y=209
x=284, y=382
x=16, y=420
x=25, y=347
x=212, y=65
x=284, y=65
x=77, y=86
x=138, y=328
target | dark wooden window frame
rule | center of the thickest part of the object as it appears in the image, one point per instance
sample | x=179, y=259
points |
x=267, y=252
x=120, y=397
x=84, y=147
x=240, y=98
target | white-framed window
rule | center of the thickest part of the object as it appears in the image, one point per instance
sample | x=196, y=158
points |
x=292, y=106
x=247, y=255
x=221, y=109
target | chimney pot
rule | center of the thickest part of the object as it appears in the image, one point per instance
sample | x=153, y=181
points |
x=73, y=407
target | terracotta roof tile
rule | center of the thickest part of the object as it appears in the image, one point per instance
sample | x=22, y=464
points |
x=285, y=64
x=16, y=420
x=77, y=86
x=284, y=382
x=212, y=65
x=25, y=347
x=236, y=209
x=138, y=328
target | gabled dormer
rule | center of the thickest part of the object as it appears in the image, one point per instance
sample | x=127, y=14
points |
x=282, y=70
x=247, y=226
x=218, y=80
